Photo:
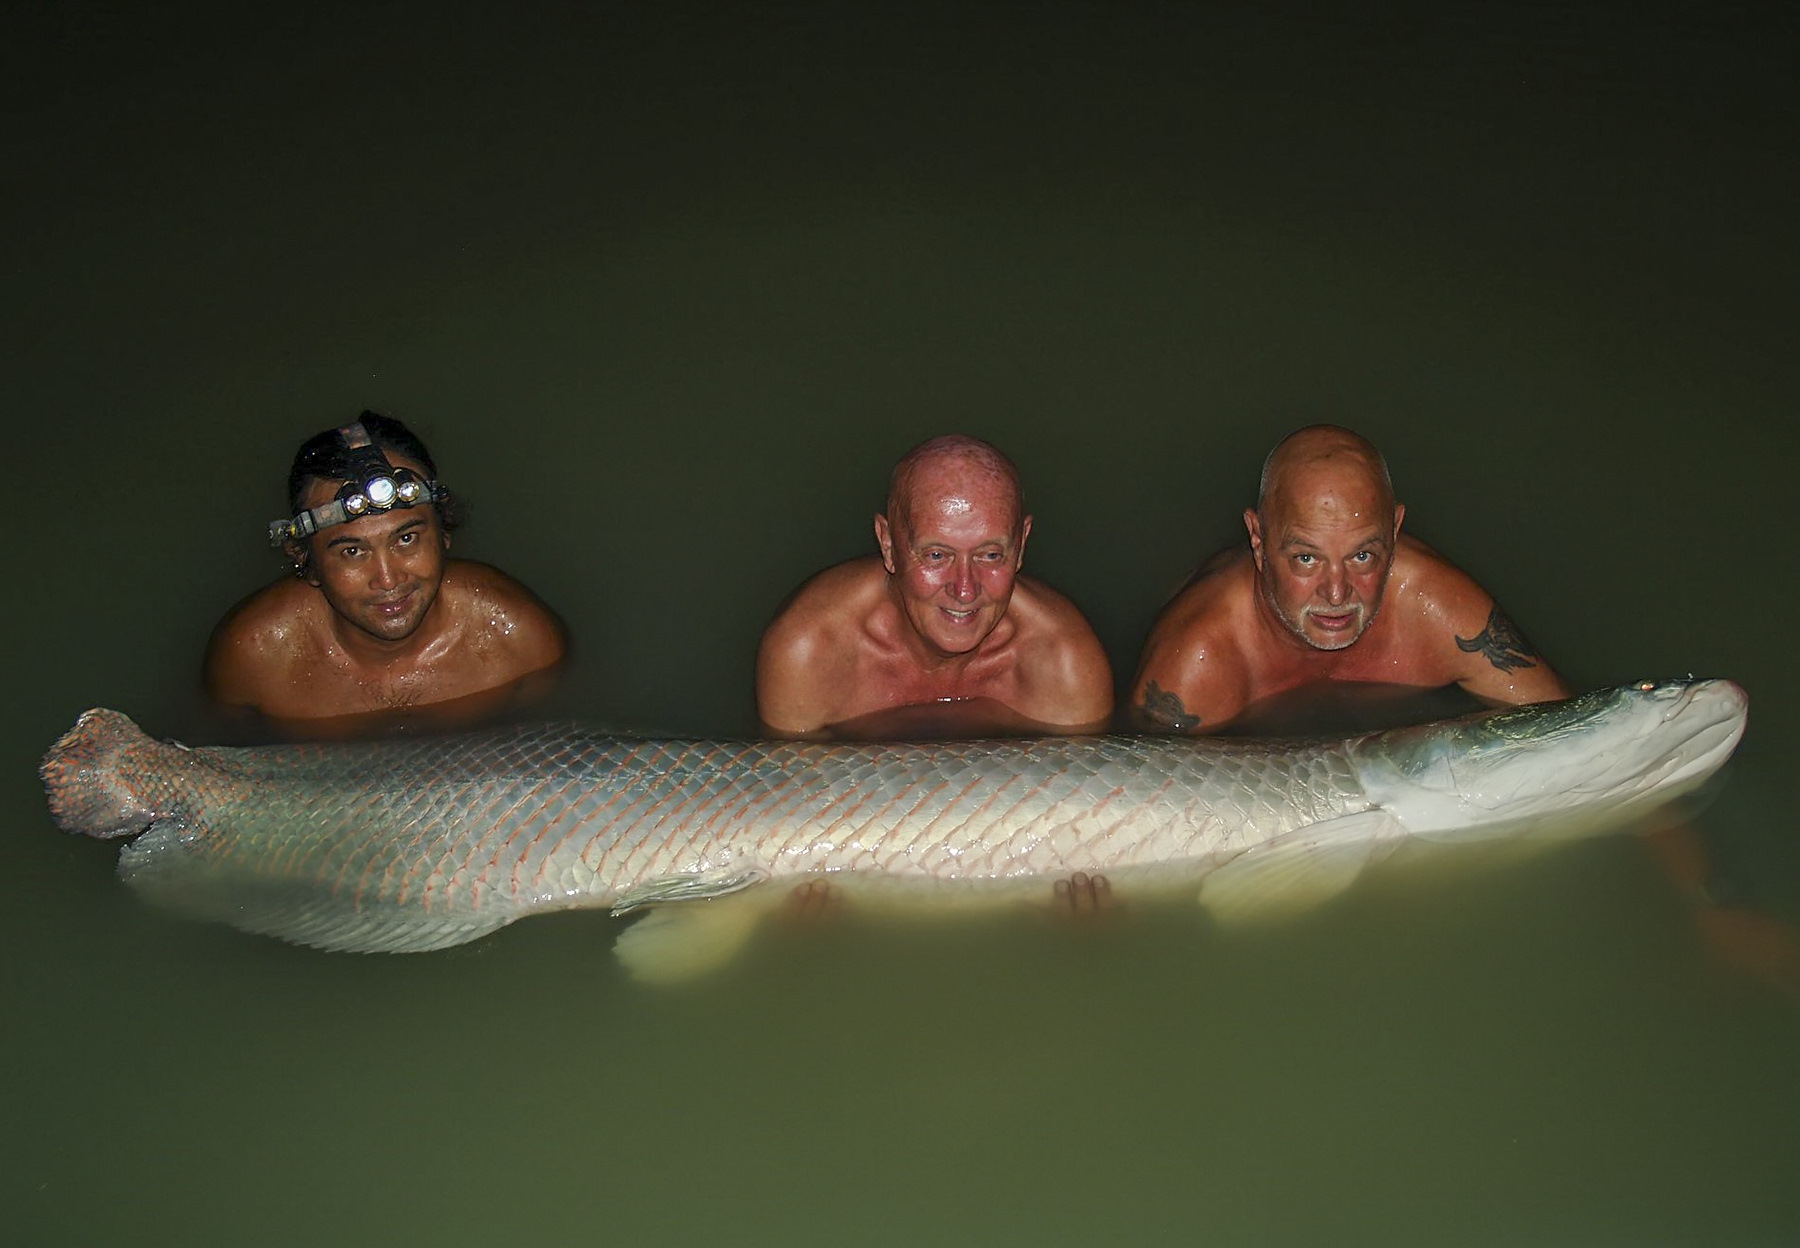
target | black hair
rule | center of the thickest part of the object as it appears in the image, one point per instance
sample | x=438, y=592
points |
x=324, y=457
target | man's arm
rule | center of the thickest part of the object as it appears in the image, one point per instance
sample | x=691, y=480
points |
x=1066, y=679
x=1496, y=662
x=789, y=697
x=1188, y=679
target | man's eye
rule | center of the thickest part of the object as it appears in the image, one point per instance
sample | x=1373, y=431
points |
x=1305, y=561
x=1363, y=556
x=406, y=539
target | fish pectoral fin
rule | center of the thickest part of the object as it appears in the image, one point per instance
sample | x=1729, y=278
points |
x=1300, y=869
x=686, y=886
x=685, y=939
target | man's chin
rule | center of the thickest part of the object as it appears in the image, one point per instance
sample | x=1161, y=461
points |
x=383, y=628
x=1332, y=638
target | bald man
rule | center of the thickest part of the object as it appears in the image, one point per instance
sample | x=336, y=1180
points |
x=1327, y=591
x=939, y=634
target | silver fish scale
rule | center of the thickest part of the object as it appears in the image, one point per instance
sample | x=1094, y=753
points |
x=958, y=811
x=553, y=817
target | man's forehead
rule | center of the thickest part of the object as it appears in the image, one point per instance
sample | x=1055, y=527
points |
x=371, y=529
x=962, y=511
x=1330, y=494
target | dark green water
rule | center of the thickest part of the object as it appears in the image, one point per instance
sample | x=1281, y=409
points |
x=667, y=294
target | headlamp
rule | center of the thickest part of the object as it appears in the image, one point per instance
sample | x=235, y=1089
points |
x=374, y=485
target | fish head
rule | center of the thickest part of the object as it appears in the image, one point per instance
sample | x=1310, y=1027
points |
x=1605, y=755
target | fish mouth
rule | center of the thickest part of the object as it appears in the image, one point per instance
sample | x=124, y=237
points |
x=1721, y=711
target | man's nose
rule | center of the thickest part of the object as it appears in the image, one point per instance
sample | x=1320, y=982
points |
x=962, y=582
x=384, y=571
x=1335, y=585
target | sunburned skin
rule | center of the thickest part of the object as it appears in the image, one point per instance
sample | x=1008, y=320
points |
x=940, y=635
x=1327, y=591
x=943, y=617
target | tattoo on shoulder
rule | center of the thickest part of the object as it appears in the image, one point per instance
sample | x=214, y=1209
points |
x=1164, y=709
x=1502, y=642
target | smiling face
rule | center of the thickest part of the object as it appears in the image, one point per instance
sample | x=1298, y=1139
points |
x=380, y=574
x=1323, y=542
x=953, y=544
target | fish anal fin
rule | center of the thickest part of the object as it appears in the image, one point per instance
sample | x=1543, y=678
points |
x=1299, y=869
x=682, y=940
x=687, y=886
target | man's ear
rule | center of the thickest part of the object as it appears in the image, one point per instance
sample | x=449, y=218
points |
x=1399, y=517
x=297, y=556
x=884, y=538
x=1019, y=554
x=1253, y=524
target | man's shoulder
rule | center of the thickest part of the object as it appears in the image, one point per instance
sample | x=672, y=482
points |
x=1214, y=598
x=270, y=615
x=1194, y=671
x=809, y=654
x=1435, y=593
x=1047, y=616
x=496, y=602
x=836, y=601
x=260, y=641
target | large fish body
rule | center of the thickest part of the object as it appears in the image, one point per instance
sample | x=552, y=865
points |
x=426, y=843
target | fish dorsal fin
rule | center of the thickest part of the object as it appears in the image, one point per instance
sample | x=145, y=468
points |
x=687, y=886
x=685, y=939
x=1300, y=868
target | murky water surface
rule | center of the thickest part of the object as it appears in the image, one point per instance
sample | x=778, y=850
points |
x=667, y=295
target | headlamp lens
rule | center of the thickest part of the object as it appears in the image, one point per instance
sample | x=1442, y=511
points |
x=380, y=491
x=356, y=504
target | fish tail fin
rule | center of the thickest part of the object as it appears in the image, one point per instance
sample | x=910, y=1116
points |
x=89, y=776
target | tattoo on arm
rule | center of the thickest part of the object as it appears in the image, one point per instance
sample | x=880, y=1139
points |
x=1502, y=642
x=1164, y=710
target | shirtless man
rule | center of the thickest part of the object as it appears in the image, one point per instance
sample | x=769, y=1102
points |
x=1327, y=591
x=377, y=624
x=940, y=635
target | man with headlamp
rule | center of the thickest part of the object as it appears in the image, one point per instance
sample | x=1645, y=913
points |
x=376, y=619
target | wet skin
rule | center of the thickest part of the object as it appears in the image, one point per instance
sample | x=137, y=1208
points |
x=381, y=574
x=383, y=626
x=1322, y=561
x=952, y=561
